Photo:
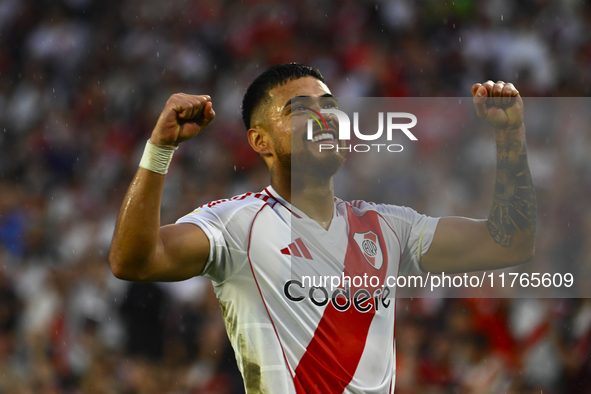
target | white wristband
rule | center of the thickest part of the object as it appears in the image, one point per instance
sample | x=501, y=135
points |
x=156, y=158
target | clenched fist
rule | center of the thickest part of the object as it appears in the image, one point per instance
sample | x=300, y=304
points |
x=499, y=104
x=183, y=117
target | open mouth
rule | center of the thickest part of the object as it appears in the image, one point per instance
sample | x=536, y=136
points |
x=324, y=136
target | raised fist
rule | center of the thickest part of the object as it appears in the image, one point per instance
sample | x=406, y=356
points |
x=499, y=104
x=183, y=117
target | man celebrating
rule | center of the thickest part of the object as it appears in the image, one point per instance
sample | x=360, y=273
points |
x=295, y=337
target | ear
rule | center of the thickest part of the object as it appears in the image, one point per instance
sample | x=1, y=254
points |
x=259, y=140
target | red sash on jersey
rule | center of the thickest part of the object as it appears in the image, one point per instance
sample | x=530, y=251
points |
x=334, y=352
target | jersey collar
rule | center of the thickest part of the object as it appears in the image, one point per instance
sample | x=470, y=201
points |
x=293, y=209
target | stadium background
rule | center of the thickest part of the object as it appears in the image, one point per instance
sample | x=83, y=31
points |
x=81, y=85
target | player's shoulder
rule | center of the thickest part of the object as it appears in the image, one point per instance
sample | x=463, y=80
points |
x=387, y=210
x=240, y=201
x=245, y=204
x=357, y=205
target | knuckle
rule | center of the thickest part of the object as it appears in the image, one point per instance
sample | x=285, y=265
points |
x=173, y=99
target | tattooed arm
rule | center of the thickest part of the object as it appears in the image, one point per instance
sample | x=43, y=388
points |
x=507, y=238
x=513, y=213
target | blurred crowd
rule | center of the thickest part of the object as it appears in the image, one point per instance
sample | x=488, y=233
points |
x=81, y=85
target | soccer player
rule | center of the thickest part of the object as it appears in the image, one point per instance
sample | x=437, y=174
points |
x=296, y=337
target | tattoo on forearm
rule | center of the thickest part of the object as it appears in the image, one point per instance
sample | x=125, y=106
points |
x=514, y=200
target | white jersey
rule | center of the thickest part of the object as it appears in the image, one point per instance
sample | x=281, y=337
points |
x=293, y=328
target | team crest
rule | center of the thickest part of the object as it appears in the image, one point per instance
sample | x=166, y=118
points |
x=370, y=247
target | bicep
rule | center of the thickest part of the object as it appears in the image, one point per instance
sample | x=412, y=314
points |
x=462, y=245
x=182, y=252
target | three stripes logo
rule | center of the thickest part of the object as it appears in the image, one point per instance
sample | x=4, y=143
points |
x=297, y=249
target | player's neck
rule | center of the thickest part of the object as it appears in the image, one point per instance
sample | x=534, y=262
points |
x=312, y=195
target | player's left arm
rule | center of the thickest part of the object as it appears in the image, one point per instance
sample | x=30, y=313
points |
x=507, y=237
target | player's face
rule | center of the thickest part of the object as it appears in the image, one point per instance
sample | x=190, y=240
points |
x=288, y=115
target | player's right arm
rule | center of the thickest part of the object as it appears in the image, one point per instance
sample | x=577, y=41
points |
x=141, y=250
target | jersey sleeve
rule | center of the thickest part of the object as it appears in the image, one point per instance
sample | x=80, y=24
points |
x=415, y=232
x=226, y=226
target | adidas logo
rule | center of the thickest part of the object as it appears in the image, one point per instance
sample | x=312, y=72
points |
x=297, y=249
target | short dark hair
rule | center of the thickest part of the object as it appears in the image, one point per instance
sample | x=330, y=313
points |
x=274, y=76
